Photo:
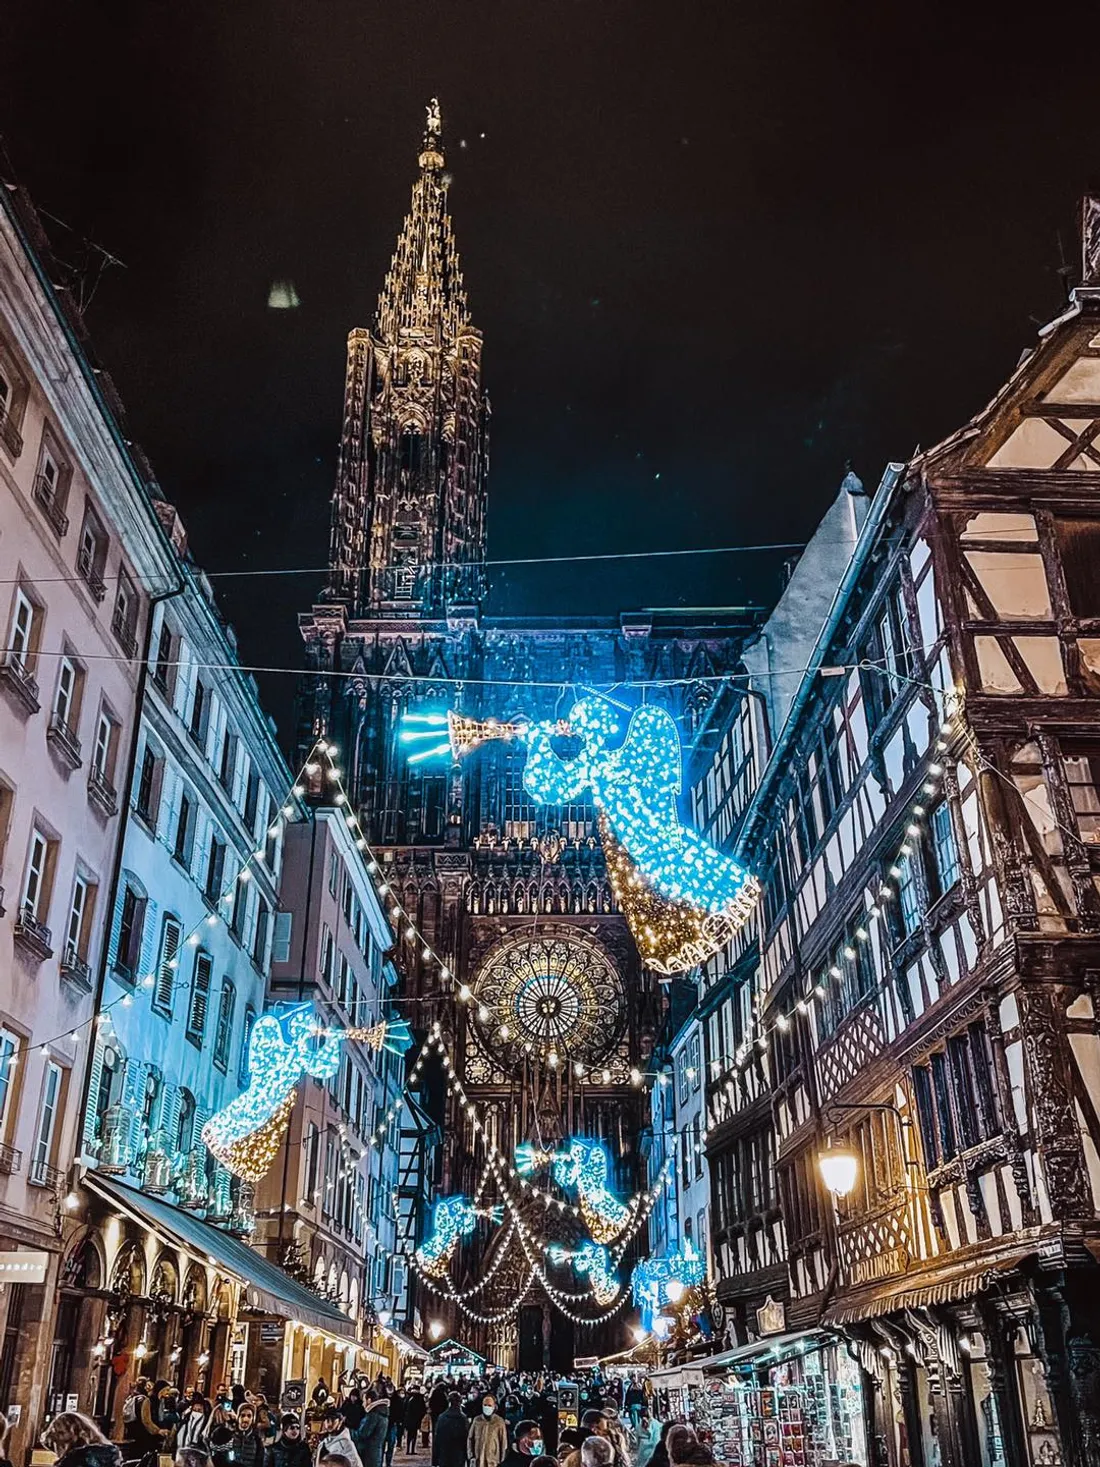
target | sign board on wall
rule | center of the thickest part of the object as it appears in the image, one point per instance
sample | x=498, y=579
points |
x=25, y=1266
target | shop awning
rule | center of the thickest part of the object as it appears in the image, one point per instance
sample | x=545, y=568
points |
x=270, y=1290
x=404, y=1344
x=769, y=1349
x=946, y=1287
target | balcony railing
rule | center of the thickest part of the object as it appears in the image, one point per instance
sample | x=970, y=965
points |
x=45, y=493
x=77, y=969
x=32, y=935
x=62, y=735
x=16, y=677
x=102, y=792
x=85, y=564
x=124, y=633
x=42, y=1174
x=11, y=1161
x=10, y=435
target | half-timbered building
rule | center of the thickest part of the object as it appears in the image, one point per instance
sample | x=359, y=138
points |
x=919, y=996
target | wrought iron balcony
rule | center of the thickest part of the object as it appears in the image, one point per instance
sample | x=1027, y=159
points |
x=124, y=633
x=76, y=968
x=62, y=736
x=45, y=493
x=11, y=1161
x=16, y=677
x=32, y=935
x=41, y=1174
x=10, y=435
x=85, y=564
x=102, y=792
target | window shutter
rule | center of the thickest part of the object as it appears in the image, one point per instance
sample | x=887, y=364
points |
x=116, y=924
x=171, y=934
x=202, y=1115
x=95, y=1076
x=149, y=940
x=169, y=1118
x=280, y=947
x=200, y=993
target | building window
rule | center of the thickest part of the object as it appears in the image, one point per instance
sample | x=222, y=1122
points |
x=1079, y=544
x=171, y=932
x=850, y=978
x=38, y=880
x=78, y=930
x=327, y=950
x=215, y=869
x=200, y=712
x=200, y=997
x=42, y=1158
x=124, y=617
x=130, y=929
x=943, y=844
x=67, y=699
x=150, y=779
x=909, y=896
x=51, y=485
x=240, y=909
x=105, y=748
x=259, y=942
x=333, y=872
x=185, y=1126
x=228, y=761
x=251, y=800
x=246, y=1039
x=181, y=849
x=224, y=1032
x=25, y=633
x=9, y=1055
x=1081, y=763
x=91, y=557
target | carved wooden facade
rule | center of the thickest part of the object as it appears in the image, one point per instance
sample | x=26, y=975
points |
x=477, y=865
x=921, y=986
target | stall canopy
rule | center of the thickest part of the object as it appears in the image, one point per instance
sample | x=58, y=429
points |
x=452, y=1355
x=269, y=1289
x=405, y=1345
x=769, y=1349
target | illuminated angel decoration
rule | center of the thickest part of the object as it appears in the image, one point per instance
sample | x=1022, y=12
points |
x=682, y=897
x=594, y=1263
x=453, y=1218
x=583, y=1165
x=246, y=1134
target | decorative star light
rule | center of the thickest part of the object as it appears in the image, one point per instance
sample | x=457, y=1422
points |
x=246, y=1134
x=657, y=1280
x=682, y=897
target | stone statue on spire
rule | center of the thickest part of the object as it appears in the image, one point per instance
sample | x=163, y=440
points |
x=435, y=121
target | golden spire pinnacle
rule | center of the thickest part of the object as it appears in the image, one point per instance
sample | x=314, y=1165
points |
x=424, y=291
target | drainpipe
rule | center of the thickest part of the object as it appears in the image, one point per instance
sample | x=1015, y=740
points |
x=116, y=866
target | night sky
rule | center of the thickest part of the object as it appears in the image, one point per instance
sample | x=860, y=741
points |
x=717, y=251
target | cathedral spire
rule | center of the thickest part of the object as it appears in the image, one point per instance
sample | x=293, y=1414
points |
x=424, y=294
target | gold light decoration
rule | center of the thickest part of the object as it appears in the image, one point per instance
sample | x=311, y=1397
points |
x=251, y=1156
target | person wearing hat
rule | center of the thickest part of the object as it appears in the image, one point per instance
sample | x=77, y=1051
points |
x=290, y=1448
x=336, y=1438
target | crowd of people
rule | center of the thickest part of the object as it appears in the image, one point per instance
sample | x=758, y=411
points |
x=492, y=1421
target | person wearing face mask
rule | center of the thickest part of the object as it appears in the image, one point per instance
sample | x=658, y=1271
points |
x=487, y=1444
x=528, y=1444
x=193, y=1428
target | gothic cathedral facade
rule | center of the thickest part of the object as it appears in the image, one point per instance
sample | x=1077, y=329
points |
x=543, y=1005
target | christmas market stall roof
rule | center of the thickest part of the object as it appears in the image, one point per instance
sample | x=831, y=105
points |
x=768, y=1349
x=269, y=1289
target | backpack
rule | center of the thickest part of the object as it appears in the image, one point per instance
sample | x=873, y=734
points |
x=130, y=1408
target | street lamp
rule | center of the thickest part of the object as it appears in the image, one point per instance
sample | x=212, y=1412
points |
x=436, y=1328
x=839, y=1171
x=674, y=1291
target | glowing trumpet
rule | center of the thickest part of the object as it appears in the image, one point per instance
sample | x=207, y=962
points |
x=458, y=735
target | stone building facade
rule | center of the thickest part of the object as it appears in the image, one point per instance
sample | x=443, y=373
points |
x=502, y=895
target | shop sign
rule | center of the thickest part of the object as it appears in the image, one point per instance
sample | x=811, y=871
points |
x=879, y=1266
x=771, y=1317
x=585, y=1362
x=26, y=1266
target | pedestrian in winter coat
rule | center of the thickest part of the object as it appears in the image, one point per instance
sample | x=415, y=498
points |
x=247, y=1447
x=416, y=1408
x=450, y=1434
x=194, y=1427
x=77, y=1441
x=336, y=1441
x=488, y=1439
x=289, y=1449
x=373, y=1431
